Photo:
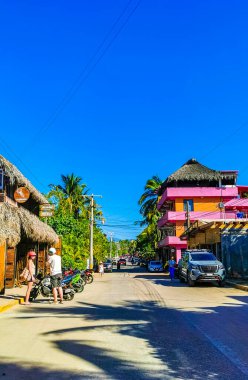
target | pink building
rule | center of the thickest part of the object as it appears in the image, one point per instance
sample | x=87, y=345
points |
x=193, y=192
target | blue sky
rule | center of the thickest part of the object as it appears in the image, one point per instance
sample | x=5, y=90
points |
x=169, y=83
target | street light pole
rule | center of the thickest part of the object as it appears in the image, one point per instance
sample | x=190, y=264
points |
x=92, y=196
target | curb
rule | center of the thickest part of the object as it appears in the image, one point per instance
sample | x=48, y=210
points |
x=10, y=304
x=238, y=286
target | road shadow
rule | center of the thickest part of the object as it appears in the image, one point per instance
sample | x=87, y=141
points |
x=170, y=334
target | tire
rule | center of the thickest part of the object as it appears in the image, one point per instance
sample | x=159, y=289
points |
x=181, y=279
x=78, y=287
x=221, y=284
x=191, y=283
x=34, y=294
x=69, y=296
x=89, y=279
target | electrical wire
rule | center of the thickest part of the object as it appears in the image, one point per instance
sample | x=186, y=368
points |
x=91, y=65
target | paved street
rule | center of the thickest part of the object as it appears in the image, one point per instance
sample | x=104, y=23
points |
x=129, y=325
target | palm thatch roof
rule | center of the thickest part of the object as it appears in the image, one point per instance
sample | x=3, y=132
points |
x=192, y=170
x=17, y=223
x=10, y=226
x=16, y=177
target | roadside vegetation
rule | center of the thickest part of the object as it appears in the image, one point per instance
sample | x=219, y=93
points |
x=71, y=221
x=147, y=240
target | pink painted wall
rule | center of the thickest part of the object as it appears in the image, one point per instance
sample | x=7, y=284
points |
x=187, y=192
x=173, y=241
x=173, y=216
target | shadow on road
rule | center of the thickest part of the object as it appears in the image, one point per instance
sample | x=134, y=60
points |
x=174, y=341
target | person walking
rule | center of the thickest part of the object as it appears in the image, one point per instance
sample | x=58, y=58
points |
x=54, y=262
x=172, y=264
x=31, y=256
x=101, y=268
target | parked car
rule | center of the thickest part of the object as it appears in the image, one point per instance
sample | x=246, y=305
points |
x=201, y=266
x=114, y=260
x=155, y=266
x=135, y=260
x=122, y=262
x=108, y=266
x=143, y=263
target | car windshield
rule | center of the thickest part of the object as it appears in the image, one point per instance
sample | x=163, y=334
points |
x=203, y=257
x=155, y=263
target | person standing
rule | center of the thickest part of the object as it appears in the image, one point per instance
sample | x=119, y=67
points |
x=31, y=255
x=54, y=262
x=172, y=264
x=101, y=268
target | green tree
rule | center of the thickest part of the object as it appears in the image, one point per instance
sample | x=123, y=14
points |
x=148, y=202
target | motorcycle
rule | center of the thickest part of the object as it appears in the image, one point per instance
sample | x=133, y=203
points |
x=43, y=286
x=88, y=275
x=75, y=280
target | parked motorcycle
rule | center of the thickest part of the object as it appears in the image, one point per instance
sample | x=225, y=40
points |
x=89, y=275
x=43, y=286
x=75, y=280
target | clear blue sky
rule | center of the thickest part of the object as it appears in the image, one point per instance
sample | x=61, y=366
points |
x=170, y=85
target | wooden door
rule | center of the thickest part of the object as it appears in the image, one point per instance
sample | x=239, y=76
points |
x=41, y=260
x=2, y=267
x=10, y=268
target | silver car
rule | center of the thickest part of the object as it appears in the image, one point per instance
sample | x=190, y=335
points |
x=201, y=266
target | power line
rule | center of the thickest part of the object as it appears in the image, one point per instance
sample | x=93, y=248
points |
x=90, y=66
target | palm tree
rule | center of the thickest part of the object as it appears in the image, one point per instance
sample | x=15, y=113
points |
x=149, y=200
x=69, y=195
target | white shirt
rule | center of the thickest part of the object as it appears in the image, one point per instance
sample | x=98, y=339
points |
x=55, y=264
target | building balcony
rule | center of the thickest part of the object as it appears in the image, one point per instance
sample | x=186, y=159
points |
x=172, y=241
x=172, y=193
x=175, y=216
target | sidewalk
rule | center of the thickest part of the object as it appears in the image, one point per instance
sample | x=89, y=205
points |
x=238, y=283
x=12, y=297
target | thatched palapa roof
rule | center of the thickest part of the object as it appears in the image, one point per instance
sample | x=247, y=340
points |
x=17, y=223
x=192, y=170
x=16, y=177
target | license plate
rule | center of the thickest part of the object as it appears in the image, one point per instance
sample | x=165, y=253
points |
x=208, y=274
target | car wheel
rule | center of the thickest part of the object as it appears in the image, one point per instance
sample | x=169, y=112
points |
x=221, y=284
x=190, y=282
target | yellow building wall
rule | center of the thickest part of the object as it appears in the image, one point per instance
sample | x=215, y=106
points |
x=200, y=204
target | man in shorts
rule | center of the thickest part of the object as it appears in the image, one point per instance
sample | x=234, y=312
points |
x=54, y=262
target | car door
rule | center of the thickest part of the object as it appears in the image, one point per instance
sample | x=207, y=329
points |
x=185, y=261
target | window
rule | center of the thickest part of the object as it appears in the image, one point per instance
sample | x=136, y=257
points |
x=190, y=203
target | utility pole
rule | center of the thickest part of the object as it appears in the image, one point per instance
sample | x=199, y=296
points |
x=92, y=196
x=187, y=215
x=111, y=240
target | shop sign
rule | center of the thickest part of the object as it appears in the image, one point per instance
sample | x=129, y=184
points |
x=47, y=207
x=46, y=214
x=21, y=195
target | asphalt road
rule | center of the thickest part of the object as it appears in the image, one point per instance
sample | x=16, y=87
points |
x=129, y=325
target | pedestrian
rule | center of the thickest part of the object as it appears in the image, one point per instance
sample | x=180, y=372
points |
x=31, y=256
x=118, y=265
x=54, y=263
x=101, y=268
x=172, y=264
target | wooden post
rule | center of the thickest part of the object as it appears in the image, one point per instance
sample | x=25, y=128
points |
x=2, y=267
